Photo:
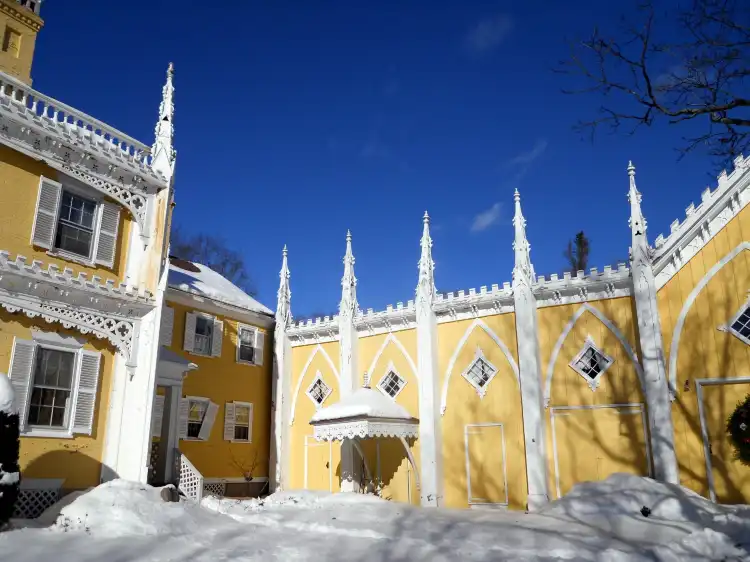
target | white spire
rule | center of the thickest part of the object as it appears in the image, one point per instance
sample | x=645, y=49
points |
x=523, y=270
x=637, y=222
x=284, y=296
x=163, y=150
x=426, y=283
x=348, y=305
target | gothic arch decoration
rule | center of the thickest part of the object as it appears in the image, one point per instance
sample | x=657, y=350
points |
x=391, y=338
x=586, y=307
x=675, y=347
x=477, y=323
x=318, y=349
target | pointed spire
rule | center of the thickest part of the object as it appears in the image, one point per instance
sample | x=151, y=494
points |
x=163, y=150
x=523, y=270
x=639, y=246
x=348, y=305
x=426, y=282
x=284, y=295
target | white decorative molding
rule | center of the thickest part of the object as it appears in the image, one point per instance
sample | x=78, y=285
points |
x=383, y=383
x=687, y=305
x=338, y=431
x=477, y=323
x=589, y=344
x=564, y=334
x=318, y=349
x=479, y=358
x=392, y=338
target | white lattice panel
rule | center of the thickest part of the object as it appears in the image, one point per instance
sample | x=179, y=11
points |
x=214, y=489
x=31, y=503
x=191, y=481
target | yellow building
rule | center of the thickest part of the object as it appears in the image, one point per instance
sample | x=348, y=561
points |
x=212, y=404
x=83, y=231
x=526, y=388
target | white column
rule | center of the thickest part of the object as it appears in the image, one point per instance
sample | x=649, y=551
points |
x=430, y=437
x=658, y=397
x=529, y=365
x=169, y=439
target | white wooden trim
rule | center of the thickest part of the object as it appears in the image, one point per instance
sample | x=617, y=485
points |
x=318, y=349
x=564, y=334
x=504, y=348
x=634, y=405
x=590, y=344
x=316, y=443
x=699, y=384
x=391, y=368
x=468, y=462
x=675, y=347
x=393, y=338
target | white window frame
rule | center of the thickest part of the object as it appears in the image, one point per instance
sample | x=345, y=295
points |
x=381, y=384
x=54, y=342
x=728, y=327
x=318, y=377
x=205, y=401
x=590, y=344
x=249, y=328
x=208, y=318
x=479, y=355
x=250, y=407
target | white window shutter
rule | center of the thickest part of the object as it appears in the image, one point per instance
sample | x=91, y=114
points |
x=217, y=337
x=208, y=421
x=183, y=418
x=157, y=415
x=229, y=421
x=109, y=222
x=47, y=209
x=189, y=342
x=88, y=380
x=260, y=340
x=21, y=367
x=167, y=326
x=250, y=423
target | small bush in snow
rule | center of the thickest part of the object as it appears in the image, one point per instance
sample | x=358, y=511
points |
x=9, y=446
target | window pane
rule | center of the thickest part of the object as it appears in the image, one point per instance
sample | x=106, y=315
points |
x=247, y=353
x=194, y=430
x=203, y=326
x=58, y=417
x=197, y=411
x=44, y=415
x=73, y=239
x=202, y=345
x=241, y=415
x=54, y=368
x=247, y=337
x=241, y=432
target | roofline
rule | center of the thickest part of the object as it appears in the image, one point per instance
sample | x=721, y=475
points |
x=208, y=304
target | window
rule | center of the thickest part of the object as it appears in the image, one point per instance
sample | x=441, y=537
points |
x=52, y=387
x=318, y=391
x=75, y=227
x=591, y=363
x=242, y=422
x=204, y=328
x=480, y=373
x=12, y=42
x=246, y=350
x=196, y=415
x=741, y=325
x=391, y=384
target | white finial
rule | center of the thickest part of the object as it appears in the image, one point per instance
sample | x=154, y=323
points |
x=163, y=153
x=516, y=196
x=348, y=305
x=284, y=295
x=366, y=383
x=426, y=218
x=523, y=271
x=426, y=283
x=639, y=250
x=631, y=168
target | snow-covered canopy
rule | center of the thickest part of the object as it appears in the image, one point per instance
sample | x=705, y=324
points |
x=364, y=413
x=203, y=281
x=173, y=365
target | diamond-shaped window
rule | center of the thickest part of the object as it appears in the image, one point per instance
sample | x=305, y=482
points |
x=591, y=363
x=480, y=373
x=391, y=384
x=318, y=391
x=740, y=326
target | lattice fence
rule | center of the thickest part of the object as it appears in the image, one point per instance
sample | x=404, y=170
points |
x=152, y=457
x=191, y=481
x=31, y=503
x=214, y=489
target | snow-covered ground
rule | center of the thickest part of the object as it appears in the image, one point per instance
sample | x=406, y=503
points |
x=122, y=521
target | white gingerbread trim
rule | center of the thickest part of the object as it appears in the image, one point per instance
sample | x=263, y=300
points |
x=328, y=390
x=677, y=334
x=338, y=431
x=479, y=356
x=478, y=322
x=318, y=349
x=590, y=344
x=381, y=384
x=564, y=334
x=392, y=338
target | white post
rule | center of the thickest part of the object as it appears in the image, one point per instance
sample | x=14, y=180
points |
x=430, y=438
x=529, y=365
x=658, y=397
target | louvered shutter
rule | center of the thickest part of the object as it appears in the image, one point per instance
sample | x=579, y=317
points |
x=88, y=380
x=189, y=342
x=106, y=245
x=167, y=326
x=47, y=209
x=157, y=415
x=21, y=367
x=217, y=337
x=229, y=421
x=183, y=418
x=250, y=423
x=208, y=421
x=260, y=339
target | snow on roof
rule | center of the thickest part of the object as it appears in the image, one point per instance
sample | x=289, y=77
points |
x=6, y=395
x=205, y=282
x=364, y=403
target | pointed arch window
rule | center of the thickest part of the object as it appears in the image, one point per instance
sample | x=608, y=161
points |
x=318, y=391
x=591, y=363
x=479, y=373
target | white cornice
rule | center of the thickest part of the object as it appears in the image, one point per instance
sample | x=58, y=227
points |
x=211, y=306
x=597, y=285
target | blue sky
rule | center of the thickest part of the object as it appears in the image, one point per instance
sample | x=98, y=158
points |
x=297, y=120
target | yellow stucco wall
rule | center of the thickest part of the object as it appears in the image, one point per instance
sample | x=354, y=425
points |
x=495, y=477
x=312, y=465
x=17, y=61
x=222, y=380
x=705, y=352
x=19, y=189
x=76, y=460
